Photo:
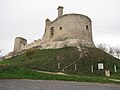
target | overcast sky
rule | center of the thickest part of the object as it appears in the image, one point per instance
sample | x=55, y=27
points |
x=26, y=18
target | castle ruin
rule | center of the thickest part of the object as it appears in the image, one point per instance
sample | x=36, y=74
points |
x=66, y=30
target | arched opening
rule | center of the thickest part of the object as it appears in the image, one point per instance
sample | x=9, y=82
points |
x=60, y=28
x=52, y=31
x=87, y=27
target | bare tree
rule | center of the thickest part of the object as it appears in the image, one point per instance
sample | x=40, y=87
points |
x=0, y=53
x=111, y=51
x=102, y=46
x=117, y=51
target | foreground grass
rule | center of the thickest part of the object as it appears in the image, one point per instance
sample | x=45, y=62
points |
x=22, y=66
x=24, y=73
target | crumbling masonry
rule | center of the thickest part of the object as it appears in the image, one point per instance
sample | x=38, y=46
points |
x=65, y=30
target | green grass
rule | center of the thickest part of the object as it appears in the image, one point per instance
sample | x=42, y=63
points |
x=47, y=60
x=24, y=73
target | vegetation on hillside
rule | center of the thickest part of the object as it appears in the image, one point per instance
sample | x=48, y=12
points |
x=67, y=60
x=15, y=72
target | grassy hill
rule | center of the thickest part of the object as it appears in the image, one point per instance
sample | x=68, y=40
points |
x=67, y=60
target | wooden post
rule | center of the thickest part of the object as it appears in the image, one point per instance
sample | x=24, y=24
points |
x=75, y=67
x=115, y=68
x=58, y=65
x=92, y=69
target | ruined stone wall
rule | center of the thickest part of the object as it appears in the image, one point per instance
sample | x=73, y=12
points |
x=65, y=30
x=19, y=42
x=70, y=26
x=32, y=45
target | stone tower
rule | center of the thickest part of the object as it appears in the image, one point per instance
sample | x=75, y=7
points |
x=72, y=29
x=60, y=11
x=19, y=42
x=66, y=30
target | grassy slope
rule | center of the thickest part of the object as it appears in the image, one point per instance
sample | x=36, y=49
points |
x=47, y=60
x=25, y=73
